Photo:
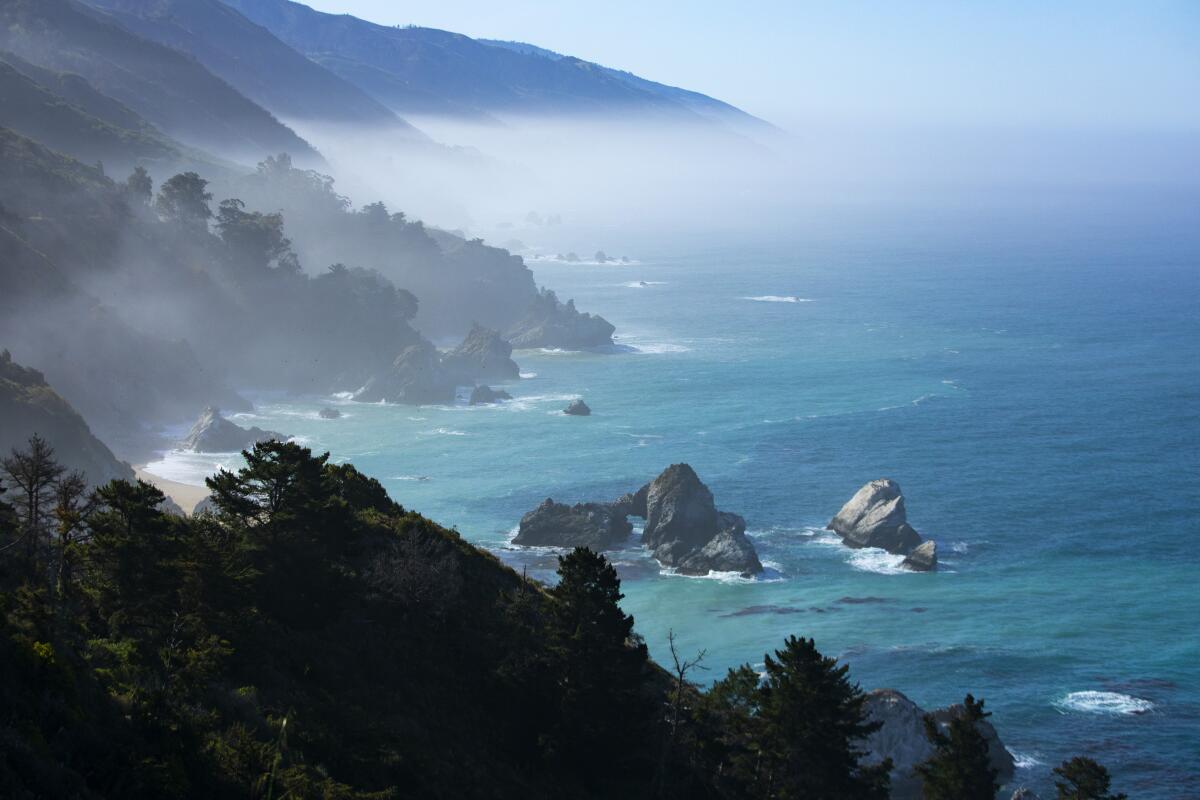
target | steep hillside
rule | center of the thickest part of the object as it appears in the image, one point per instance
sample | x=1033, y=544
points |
x=34, y=110
x=423, y=70
x=252, y=60
x=169, y=89
x=28, y=406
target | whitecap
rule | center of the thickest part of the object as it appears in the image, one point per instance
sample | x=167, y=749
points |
x=444, y=432
x=778, y=298
x=731, y=577
x=527, y=375
x=642, y=284
x=343, y=395
x=873, y=559
x=1110, y=703
x=1023, y=760
x=409, y=478
x=659, y=348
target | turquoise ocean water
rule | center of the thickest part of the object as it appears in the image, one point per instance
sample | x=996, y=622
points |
x=1038, y=402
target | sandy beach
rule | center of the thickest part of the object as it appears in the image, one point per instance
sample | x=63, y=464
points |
x=186, y=496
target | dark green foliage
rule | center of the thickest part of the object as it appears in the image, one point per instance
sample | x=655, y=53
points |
x=960, y=769
x=313, y=639
x=1083, y=779
x=598, y=664
x=183, y=200
x=791, y=734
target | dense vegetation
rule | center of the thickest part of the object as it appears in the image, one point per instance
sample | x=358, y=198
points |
x=96, y=269
x=314, y=639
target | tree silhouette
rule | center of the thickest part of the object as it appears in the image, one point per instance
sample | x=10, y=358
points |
x=960, y=768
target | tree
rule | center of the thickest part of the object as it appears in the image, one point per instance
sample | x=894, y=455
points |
x=960, y=768
x=279, y=492
x=812, y=717
x=1084, y=779
x=255, y=239
x=139, y=187
x=183, y=199
x=71, y=508
x=598, y=662
x=33, y=472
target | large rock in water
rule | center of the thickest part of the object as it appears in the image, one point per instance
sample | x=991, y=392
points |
x=212, y=433
x=551, y=323
x=902, y=739
x=634, y=503
x=485, y=395
x=728, y=551
x=416, y=377
x=684, y=528
x=599, y=526
x=578, y=408
x=875, y=517
x=482, y=356
x=923, y=557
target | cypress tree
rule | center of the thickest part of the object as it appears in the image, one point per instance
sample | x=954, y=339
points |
x=960, y=768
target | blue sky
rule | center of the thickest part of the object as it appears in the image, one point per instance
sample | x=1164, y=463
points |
x=1095, y=64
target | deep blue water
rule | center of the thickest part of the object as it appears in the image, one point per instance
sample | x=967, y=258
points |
x=1038, y=402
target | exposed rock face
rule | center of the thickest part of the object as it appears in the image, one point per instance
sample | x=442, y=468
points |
x=682, y=522
x=683, y=528
x=483, y=356
x=416, y=377
x=902, y=739
x=596, y=525
x=551, y=323
x=212, y=433
x=205, y=506
x=923, y=557
x=578, y=408
x=728, y=551
x=875, y=517
x=483, y=395
x=28, y=405
x=633, y=503
x=329, y=413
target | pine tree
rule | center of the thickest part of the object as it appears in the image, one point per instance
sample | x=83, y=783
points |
x=960, y=768
x=1084, y=779
x=598, y=663
x=33, y=473
x=812, y=716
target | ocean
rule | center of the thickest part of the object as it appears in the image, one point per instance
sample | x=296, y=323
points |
x=1037, y=399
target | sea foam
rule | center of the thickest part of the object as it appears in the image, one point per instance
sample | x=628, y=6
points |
x=1110, y=703
x=778, y=298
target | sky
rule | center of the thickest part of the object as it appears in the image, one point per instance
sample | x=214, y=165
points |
x=1095, y=64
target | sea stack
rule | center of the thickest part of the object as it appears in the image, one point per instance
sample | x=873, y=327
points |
x=599, y=526
x=876, y=517
x=578, y=408
x=684, y=528
x=212, y=433
x=686, y=531
x=486, y=395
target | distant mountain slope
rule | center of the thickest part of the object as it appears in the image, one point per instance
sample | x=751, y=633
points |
x=700, y=103
x=251, y=59
x=166, y=87
x=28, y=405
x=417, y=69
x=87, y=126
